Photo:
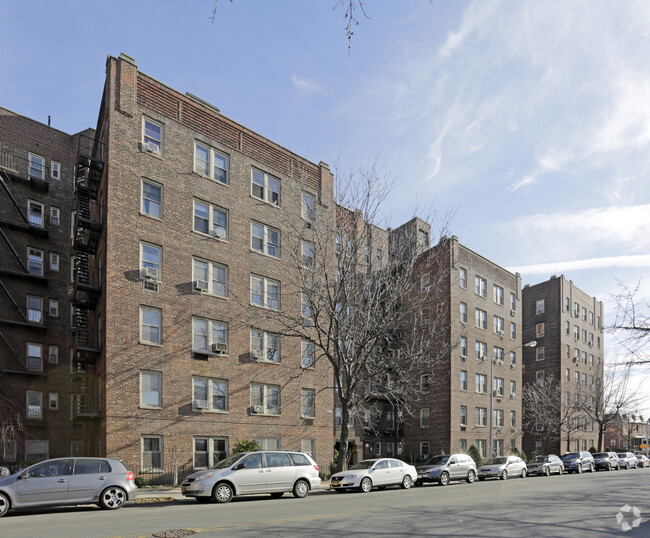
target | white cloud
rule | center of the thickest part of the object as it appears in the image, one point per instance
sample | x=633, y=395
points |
x=642, y=260
x=306, y=85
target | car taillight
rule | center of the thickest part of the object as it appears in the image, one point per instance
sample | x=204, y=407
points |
x=316, y=466
x=130, y=476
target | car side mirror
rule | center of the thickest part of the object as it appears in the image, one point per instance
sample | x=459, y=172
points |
x=19, y=477
x=239, y=466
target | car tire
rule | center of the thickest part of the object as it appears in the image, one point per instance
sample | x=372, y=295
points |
x=523, y=473
x=4, y=504
x=301, y=489
x=112, y=498
x=547, y=471
x=366, y=485
x=223, y=493
x=592, y=468
x=504, y=475
x=444, y=479
x=609, y=466
x=277, y=494
x=580, y=468
x=407, y=482
x=471, y=476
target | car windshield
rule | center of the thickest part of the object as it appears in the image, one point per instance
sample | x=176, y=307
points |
x=539, y=459
x=365, y=464
x=497, y=461
x=437, y=460
x=601, y=455
x=570, y=457
x=228, y=461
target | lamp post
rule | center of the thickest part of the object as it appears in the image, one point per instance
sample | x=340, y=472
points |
x=532, y=343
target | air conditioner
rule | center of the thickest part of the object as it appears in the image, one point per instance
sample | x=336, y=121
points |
x=258, y=409
x=591, y=344
x=201, y=404
x=512, y=395
x=463, y=427
x=257, y=354
x=575, y=359
x=201, y=285
x=219, y=233
x=512, y=313
x=495, y=393
x=576, y=315
x=150, y=272
x=512, y=366
x=219, y=348
x=152, y=147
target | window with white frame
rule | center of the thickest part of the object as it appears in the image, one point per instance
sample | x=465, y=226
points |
x=540, y=353
x=307, y=403
x=424, y=450
x=539, y=376
x=150, y=325
x=305, y=307
x=55, y=216
x=308, y=206
x=462, y=446
x=513, y=419
x=497, y=386
x=307, y=250
x=463, y=346
x=463, y=312
x=210, y=277
x=576, y=310
x=265, y=187
x=513, y=330
x=463, y=415
x=150, y=389
x=513, y=359
x=513, y=301
x=497, y=294
x=424, y=417
x=481, y=416
x=480, y=286
x=35, y=261
x=539, y=306
x=34, y=402
x=34, y=309
x=498, y=355
x=151, y=199
x=54, y=261
x=265, y=292
x=53, y=354
x=307, y=354
x=539, y=330
x=53, y=401
x=152, y=136
x=55, y=170
x=53, y=310
x=152, y=453
x=265, y=240
x=425, y=383
x=513, y=388
x=481, y=383
x=150, y=261
x=265, y=399
x=265, y=346
x=499, y=325
x=210, y=163
x=269, y=443
x=463, y=380
x=36, y=166
x=462, y=282
x=209, y=394
x=481, y=350
x=210, y=220
x=35, y=213
x=208, y=451
x=497, y=418
x=480, y=318
x=34, y=357
x=209, y=336
x=378, y=450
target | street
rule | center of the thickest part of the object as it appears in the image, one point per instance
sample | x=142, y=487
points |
x=568, y=505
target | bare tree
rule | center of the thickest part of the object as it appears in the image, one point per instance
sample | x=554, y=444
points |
x=631, y=327
x=12, y=424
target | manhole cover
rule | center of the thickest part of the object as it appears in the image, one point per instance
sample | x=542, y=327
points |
x=173, y=533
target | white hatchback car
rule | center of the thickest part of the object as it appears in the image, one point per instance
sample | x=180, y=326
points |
x=503, y=467
x=265, y=471
x=378, y=473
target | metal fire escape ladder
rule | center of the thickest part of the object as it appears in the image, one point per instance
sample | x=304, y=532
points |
x=14, y=354
x=13, y=250
x=13, y=301
x=11, y=196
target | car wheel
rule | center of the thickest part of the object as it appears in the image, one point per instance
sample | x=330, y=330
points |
x=301, y=489
x=366, y=485
x=523, y=473
x=112, y=498
x=609, y=466
x=407, y=482
x=471, y=476
x=223, y=493
x=277, y=494
x=580, y=468
x=4, y=504
x=504, y=475
x=444, y=479
x=592, y=468
x=547, y=471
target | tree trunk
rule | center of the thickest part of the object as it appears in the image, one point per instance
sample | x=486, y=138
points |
x=343, y=439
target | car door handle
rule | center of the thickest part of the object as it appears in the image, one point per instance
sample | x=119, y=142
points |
x=101, y=478
x=61, y=480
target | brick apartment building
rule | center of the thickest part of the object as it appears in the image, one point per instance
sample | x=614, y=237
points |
x=567, y=325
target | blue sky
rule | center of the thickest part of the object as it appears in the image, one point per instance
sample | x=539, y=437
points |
x=529, y=120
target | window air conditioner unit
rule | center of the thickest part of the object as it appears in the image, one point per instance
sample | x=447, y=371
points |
x=257, y=354
x=152, y=147
x=201, y=285
x=512, y=395
x=219, y=348
x=591, y=344
x=512, y=313
x=151, y=272
x=495, y=393
x=512, y=366
x=219, y=233
x=201, y=404
x=463, y=427
x=258, y=409
x=575, y=359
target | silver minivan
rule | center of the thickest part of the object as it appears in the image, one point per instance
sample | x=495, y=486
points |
x=265, y=471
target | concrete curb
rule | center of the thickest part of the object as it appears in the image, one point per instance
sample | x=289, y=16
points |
x=152, y=495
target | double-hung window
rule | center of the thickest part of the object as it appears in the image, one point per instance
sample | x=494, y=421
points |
x=54, y=261
x=53, y=310
x=307, y=354
x=35, y=213
x=34, y=357
x=34, y=404
x=463, y=415
x=481, y=416
x=463, y=380
x=151, y=199
x=307, y=250
x=210, y=220
x=208, y=451
x=152, y=452
x=462, y=282
x=425, y=417
x=497, y=418
x=463, y=346
x=265, y=346
x=481, y=350
x=55, y=170
x=497, y=294
x=150, y=325
x=210, y=277
x=265, y=187
x=35, y=261
x=152, y=136
x=265, y=292
x=480, y=286
x=209, y=394
x=265, y=240
x=481, y=383
x=480, y=318
x=265, y=399
x=497, y=386
x=539, y=306
x=209, y=336
x=210, y=163
x=307, y=403
x=34, y=309
x=36, y=166
x=151, y=389
x=55, y=216
x=499, y=325
x=150, y=261
x=308, y=206
x=463, y=312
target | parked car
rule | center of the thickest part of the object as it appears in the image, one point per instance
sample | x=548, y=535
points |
x=66, y=481
x=378, y=472
x=503, y=467
x=446, y=467
x=263, y=471
x=643, y=460
x=628, y=460
x=545, y=465
x=606, y=461
x=576, y=462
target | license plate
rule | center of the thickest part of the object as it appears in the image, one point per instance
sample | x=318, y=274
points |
x=335, y=483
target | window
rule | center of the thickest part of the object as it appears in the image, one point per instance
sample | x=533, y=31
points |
x=53, y=354
x=481, y=445
x=152, y=136
x=210, y=220
x=463, y=346
x=268, y=443
x=34, y=309
x=209, y=394
x=308, y=446
x=425, y=282
x=481, y=416
x=34, y=404
x=210, y=163
x=151, y=199
x=462, y=445
x=34, y=261
x=152, y=453
x=55, y=216
x=307, y=249
x=463, y=415
x=567, y=304
x=567, y=351
x=150, y=325
x=463, y=278
x=498, y=355
x=567, y=327
x=265, y=239
x=480, y=286
x=307, y=354
x=424, y=417
x=307, y=403
x=576, y=310
x=54, y=261
x=265, y=399
x=53, y=310
x=539, y=306
x=539, y=376
x=55, y=170
x=513, y=301
x=513, y=359
x=210, y=278
x=540, y=353
x=425, y=383
x=36, y=167
x=584, y=380
x=208, y=451
x=73, y=222
x=209, y=336
x=463, y=380
x=497, y=386
x=10, y=449
x=265, y=292
x=480, y=318
x=34, y=357
x=424, y=450
x=265, y=346
x=265, y=187
x=499, y=325
x=513, y=330
x=307, y=206
x=305, y=308
x=481, y=383
x=513, y=419
x=584, y=358
x=379, y=256
x=539, y=330
x=151, y=389
x=497, y=418
x=150, y=261
x=35, y=213
x=481, y=351
x=497, y=294
x=584, y=314
x=36, y=450
x=463, y=313
x=513, y=388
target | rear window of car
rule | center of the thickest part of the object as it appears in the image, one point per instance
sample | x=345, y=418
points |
x=396, y=463
x=91, y=467
x=299, y=459
x=278, y=459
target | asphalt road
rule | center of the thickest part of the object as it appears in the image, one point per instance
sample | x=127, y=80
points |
x=568, y=505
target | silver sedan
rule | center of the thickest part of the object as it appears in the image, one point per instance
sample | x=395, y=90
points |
x=379, y=473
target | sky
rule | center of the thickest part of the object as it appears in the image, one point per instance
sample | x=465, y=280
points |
x=528, y=122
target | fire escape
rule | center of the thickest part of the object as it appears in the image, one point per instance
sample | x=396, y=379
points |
x=87, y=281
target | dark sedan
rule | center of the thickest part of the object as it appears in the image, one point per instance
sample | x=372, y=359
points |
x=606, y=461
